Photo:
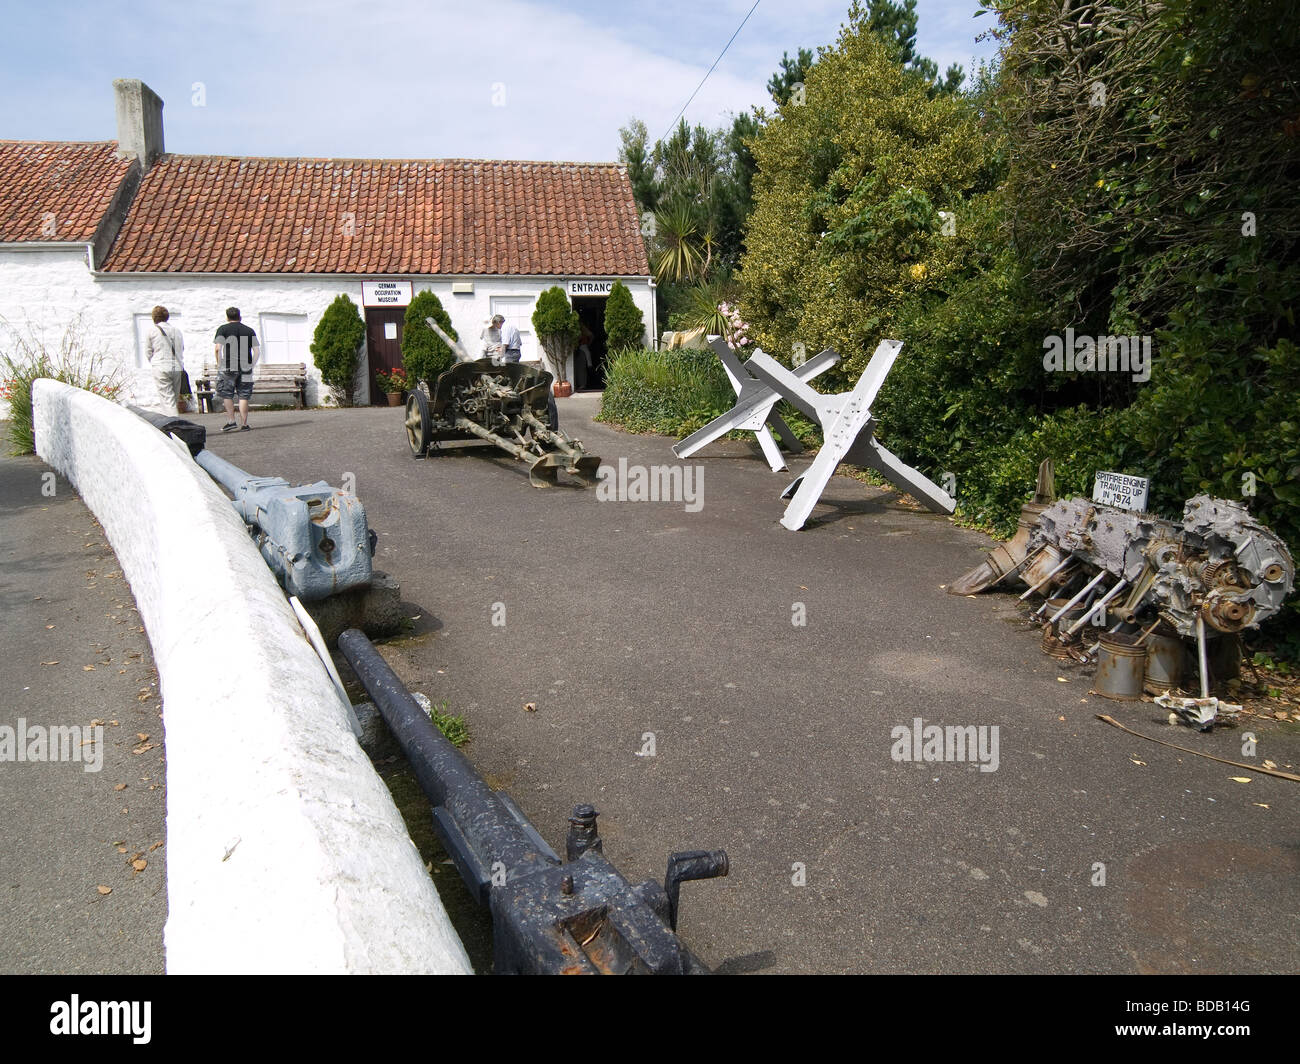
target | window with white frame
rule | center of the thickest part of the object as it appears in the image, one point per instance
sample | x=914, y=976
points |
x=284, y=338
x=518, y=311
x=144, y=327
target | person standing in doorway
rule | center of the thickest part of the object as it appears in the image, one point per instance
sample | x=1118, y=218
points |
x=236, y=349
x=166, y=346
x=511, y=342
x=491, y=337
x=512, y=345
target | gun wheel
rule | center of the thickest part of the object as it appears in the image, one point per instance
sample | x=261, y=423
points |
x=419, y=425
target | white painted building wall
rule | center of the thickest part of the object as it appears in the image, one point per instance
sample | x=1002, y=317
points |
x=44, y=291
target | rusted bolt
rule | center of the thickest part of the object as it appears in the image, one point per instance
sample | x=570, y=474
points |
x=582, y=833
x=566, y=885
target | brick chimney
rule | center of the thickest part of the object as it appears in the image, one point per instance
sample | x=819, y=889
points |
x=139, y=121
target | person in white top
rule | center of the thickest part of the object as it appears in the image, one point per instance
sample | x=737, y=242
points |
x=491, y=337
x=165, y=351
x=511, y=342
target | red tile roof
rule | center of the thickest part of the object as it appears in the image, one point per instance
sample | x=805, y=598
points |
x=216, y=214
x=57, y=190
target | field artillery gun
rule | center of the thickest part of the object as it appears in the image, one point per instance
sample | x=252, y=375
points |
x=504, y=404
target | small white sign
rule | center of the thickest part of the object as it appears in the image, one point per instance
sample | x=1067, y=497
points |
x=390, y=330
x=386, y=293
x=1122, y=490
x=590, y=288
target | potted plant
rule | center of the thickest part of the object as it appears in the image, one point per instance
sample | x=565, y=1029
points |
x=392, y=383
x=558, y=328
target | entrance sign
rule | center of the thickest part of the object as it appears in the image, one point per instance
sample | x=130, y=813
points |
x=590, y=288
x=386, y=293
x=1119, y=489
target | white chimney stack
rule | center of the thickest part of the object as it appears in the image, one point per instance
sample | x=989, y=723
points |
x=139, y=121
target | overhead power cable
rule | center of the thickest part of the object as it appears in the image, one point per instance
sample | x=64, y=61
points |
x=673, y=124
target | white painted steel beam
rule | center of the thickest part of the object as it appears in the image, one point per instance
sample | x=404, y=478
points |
x=753, y=409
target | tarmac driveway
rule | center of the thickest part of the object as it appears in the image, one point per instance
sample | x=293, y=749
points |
x=1085, y=850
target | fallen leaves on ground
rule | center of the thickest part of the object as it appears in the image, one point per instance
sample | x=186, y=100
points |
x=104, y=890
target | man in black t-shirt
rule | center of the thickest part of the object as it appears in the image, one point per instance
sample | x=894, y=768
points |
x=236, y=349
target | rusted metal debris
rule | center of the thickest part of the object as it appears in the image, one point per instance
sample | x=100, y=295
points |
x=1205, y=578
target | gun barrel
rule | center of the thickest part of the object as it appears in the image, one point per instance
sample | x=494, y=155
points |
x=227, y=474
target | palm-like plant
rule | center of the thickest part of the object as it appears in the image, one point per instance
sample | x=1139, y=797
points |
x=704, y=307
x=680, y=258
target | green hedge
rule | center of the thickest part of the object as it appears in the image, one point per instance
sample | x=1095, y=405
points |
x=671, y=393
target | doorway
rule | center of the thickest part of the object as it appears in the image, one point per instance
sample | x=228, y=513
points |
x=383, y=344
x=591, y=312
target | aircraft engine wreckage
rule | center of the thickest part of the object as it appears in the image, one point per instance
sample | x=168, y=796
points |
x=500, y=403
x=1218, y=571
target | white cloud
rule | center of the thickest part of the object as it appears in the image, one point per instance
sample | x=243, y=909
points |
x=407, y=78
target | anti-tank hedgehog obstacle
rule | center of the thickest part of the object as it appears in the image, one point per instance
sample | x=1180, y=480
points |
x=848, y=429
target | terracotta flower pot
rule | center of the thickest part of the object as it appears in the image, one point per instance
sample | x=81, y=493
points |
x=563, y=389
x=394, y=398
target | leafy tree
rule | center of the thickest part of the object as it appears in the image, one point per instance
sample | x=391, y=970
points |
x=624, y=322
x=697, y=188
x=634, y=153
x=336, y=346
x=1152, y=193
x=780, y=86
x=424, y=354
x=558, y=327
x=848, y=195
x=895, y=24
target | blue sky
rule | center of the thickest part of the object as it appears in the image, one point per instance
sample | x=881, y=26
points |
x=521, y=79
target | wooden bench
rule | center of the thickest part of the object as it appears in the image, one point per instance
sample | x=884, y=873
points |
x=290, y=377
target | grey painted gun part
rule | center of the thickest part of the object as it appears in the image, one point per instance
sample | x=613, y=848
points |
x=499, y=404
x=314, y=537
x=753, y=409
x=455, y=345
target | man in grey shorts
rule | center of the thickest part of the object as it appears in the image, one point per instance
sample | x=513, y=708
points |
x=235, y=347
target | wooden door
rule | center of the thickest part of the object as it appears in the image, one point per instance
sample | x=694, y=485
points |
x=384, y=344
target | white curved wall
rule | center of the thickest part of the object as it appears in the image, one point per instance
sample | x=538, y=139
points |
x=285, y=853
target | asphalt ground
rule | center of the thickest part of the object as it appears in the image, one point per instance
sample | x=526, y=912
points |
x=74, y=653
x=1087, y=850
